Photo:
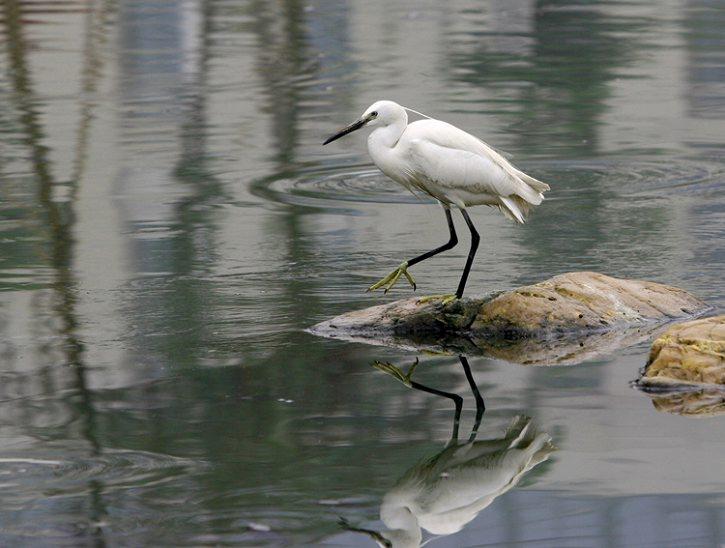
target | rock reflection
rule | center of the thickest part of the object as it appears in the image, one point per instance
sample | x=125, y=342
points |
x=689, y=403
x=445, y=492
x=555, y=349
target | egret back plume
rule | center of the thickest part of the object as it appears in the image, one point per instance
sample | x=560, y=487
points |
x=416, y=112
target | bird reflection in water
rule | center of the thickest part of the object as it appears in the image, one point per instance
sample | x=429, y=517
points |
x=445, y=492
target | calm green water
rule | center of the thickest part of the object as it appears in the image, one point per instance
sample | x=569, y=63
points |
x=170, y=224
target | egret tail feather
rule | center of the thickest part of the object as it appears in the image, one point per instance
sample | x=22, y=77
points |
x=538, y=186
x=515, y=208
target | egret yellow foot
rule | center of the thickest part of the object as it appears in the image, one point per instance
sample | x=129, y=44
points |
x=391, y=279
x=444, y=299
x=396, y=372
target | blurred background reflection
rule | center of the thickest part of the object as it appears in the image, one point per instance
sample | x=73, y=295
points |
x=169, y=225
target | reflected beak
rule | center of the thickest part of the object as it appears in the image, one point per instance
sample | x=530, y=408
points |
x=379, y=539
x=348, y=129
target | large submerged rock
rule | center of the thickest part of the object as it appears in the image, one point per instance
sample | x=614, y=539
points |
x=565, y=319
x=689, y=354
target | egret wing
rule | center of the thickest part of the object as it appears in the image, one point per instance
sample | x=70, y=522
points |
x=456, y=169
x=466, y=171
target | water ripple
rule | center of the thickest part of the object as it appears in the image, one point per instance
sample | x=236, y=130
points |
x=333, y=186
x=115, y=469
x=624, y=176
x=325, y=188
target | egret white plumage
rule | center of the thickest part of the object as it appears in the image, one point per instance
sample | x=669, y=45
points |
x=452, y=166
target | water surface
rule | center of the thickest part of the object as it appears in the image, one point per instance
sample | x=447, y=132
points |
x=170, y=224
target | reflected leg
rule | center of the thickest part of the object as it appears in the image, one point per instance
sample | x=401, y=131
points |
x=480, y=405
x=405, y=378
x=457, y=401
x=396, y=372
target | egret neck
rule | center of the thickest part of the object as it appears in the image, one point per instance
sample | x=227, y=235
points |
x=388, y=135
x=381, y=144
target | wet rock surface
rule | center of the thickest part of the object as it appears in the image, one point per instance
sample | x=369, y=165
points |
x=689, y=354
x=583, y=301
x=562, y=320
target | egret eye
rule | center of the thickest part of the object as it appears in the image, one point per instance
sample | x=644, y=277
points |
x=374, y=114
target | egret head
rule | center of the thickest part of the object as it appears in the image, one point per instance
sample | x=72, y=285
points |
x=380, y=113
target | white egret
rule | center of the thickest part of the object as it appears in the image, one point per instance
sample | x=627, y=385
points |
x=452, y=166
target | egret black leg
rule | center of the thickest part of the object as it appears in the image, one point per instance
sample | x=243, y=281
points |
x=445, y=247
x=391, y=279
x=475, y=238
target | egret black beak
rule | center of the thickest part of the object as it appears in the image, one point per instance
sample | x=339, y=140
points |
x=348, y=129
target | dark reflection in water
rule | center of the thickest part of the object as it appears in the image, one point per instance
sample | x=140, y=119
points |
x=169, y=226
x=59, y=219
x=181, y=247
x=562, y=42
x=443, y=493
